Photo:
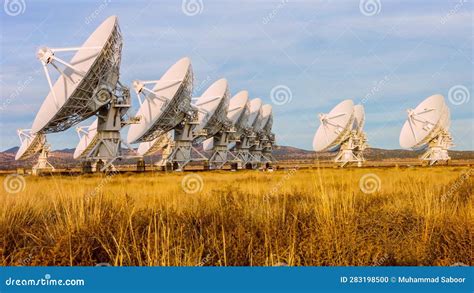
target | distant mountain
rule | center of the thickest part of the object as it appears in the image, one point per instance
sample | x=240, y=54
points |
x=287, y=152
x=12, y=150
x=63, y=158
x=67, y=151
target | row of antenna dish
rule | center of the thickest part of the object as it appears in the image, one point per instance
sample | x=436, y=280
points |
x=427, y=128
x=235, y=130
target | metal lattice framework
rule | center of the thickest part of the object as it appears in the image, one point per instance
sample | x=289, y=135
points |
x=268, y=127
x=174, y=111
x=159, y=144
x=81, y=105
x=240, y=123
x=219, y=120
x=35, y=142
x=31, y=144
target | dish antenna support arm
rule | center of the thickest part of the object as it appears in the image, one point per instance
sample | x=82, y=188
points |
x=47, y=56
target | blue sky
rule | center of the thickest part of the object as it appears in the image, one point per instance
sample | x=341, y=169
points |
x=389, y=58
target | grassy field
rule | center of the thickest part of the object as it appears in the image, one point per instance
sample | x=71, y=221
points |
x=368, y=216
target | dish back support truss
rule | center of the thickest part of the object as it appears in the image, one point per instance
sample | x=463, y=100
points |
x=98, y=82
x=35, y=143
x=173, y=111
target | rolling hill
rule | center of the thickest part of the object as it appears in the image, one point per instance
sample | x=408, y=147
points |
x=63, y=158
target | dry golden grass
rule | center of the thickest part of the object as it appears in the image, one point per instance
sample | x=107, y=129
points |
x=420, y=216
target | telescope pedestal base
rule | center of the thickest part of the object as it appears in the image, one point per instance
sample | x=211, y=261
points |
x=105, y=151
x=257, y=157
x=221, y=153
x=268, y=157
x=182, y=155
x=346, y=156
x=220, y=157
x=435, y=154
x=438, y=149
x=141, y=165
x=244, y=157
x=43, y=165
x=182, y=148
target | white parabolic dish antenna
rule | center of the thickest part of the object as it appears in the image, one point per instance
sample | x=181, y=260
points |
x=212, y=107
x=359, y=118
x=334, y=127
x=71, y=98
x=424, y=122
x=87, y=141
x=238, y=106
x=164, y=106
x=264, y=118
x=427, y=126
x=151, y=147
x=254, y=112
x=31, y=144
x=208, y=144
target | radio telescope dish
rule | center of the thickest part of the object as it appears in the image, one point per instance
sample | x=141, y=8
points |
x=264, y=118
x=31, y=144
x=208, y=144
x=254, y=112
x=341, y=130
x=165, y=106
x=87, y=140
x=238, y=106
x=212, y=108
x=262, y=149
x=148, y=148
x=334, y=127
x=213, y=124
x=245, y=136
x=88, y=85
x=359, y=118
x=75, y=96
x=231, y=130
x=423, y=122
x=427, y=126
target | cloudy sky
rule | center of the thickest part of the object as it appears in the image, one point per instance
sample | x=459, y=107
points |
x=388, y=55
